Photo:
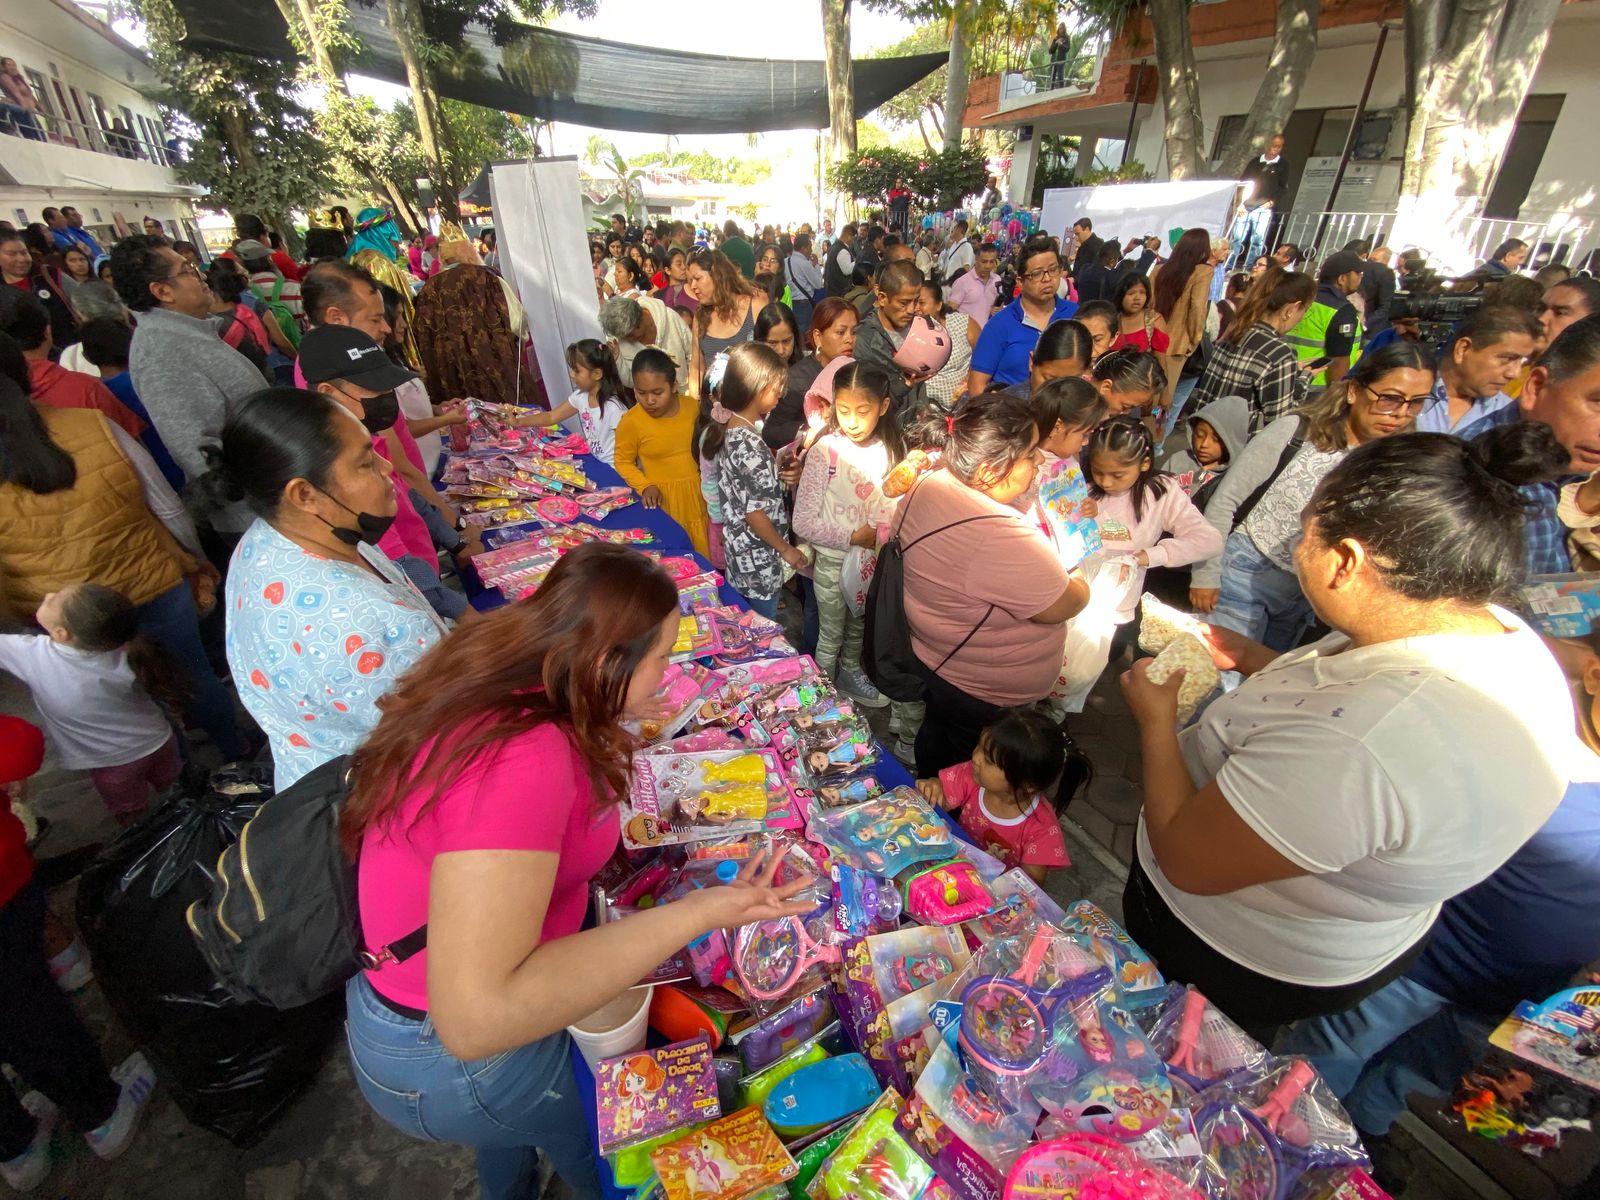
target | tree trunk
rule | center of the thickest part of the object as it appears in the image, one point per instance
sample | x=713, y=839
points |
x=1180, y=87
x=841, y=79
x=405, y=22
x=1294, y=46
x=301, y=17
x=1473, y=65
x=956, y=78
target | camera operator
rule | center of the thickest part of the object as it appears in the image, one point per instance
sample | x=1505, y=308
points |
x=1486, y=354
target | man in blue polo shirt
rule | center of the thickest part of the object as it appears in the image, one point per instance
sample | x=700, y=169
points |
x=1002, y=353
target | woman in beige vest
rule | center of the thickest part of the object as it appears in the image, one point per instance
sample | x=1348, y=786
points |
x=81, y=501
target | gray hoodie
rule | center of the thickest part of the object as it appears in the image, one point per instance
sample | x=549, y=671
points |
x=1230, y=417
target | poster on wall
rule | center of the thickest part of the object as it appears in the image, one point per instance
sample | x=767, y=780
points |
x=1131, y=210
x=544, y=255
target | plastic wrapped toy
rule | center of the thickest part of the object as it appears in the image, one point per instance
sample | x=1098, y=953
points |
x=1264, y=1129
x=726, y=1160
x=634, y=1102
x=837, y=750
x=1088, y=1167
x=1199, y=1043
x=885, y=835
x=947, y=894
x=873, y=1162
x=821, y=1094
x=770, y=1038
x=772, y=958
x=862, y=903
x=1137, y=978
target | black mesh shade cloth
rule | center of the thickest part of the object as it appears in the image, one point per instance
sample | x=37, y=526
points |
x=582, y=80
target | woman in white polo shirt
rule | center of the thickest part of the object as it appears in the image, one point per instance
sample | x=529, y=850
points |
x=1297, y=841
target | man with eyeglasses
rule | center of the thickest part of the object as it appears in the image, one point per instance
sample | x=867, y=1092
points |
x=189, y=379
x=1488, y=352
x=1001, y=355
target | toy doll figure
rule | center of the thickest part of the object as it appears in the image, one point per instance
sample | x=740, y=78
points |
x=641, y=1078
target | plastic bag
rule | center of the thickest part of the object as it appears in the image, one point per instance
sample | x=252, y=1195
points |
x=231, y=1066
x=1198, y=1042
x=855, y=577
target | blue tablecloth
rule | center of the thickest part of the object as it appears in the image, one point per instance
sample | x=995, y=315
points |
x=671, y=540
x=670, y=536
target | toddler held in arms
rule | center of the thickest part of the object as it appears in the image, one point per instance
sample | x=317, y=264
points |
x=1011, y=792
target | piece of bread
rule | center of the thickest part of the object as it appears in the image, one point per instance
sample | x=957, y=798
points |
x=1200, y=675
x=1159, y=623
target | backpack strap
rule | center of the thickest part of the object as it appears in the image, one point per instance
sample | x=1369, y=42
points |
x=988, y=612
x=277, y=289
x=1247, y=506
x=397, y=951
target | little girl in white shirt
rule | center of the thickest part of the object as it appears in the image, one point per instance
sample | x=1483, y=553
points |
x=597, y=402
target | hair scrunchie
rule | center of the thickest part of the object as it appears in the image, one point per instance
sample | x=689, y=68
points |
x=719, y=414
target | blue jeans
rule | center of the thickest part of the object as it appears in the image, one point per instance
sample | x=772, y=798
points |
x=170, y=620
x=1249, y=233
x=1258, y=597
x=1403, y=1038
x=442, y=598
x=767, y=606
x=508, y=1106
x=1180, y=397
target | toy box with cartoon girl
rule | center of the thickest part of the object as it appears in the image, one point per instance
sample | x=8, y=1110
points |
x=641, y=1095
x=730, y=1158
x=890, y=982
x=1135, y=973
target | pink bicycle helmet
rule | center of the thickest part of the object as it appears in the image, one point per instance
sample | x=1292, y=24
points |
x=926, y=348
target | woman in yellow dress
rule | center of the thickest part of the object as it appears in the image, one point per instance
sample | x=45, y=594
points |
x=654, y=446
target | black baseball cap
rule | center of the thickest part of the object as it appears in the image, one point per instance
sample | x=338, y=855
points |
x=332, y=352
x=1340, y=262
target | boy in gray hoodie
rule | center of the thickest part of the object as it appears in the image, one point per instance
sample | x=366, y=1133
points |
x=1212, y=441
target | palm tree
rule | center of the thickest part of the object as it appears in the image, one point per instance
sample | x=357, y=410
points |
x=629, y=179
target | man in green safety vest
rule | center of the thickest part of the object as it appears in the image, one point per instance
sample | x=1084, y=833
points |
x=1328, y=338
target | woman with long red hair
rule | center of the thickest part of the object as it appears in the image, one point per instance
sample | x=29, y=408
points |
x=481, y=806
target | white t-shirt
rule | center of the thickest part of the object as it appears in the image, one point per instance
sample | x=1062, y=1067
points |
x=598, y=423
x=1398, y=774
x=414, y=403
x=95, y=711
x=956, y=257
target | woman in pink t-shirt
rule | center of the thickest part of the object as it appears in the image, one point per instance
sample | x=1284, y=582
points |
x=986, y=596
x=481, y=806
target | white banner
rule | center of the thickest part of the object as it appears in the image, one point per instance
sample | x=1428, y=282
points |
x=544, y=255
x=1130, y=210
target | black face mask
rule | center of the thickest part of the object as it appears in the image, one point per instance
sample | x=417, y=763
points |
x=370, y=528
x=380, y=412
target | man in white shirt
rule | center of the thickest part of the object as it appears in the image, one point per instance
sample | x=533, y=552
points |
x=976, y=292
x=958, y=255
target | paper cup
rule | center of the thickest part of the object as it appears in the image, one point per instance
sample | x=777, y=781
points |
x=618, y=1027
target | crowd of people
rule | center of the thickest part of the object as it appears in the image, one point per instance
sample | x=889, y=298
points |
x=226, y=470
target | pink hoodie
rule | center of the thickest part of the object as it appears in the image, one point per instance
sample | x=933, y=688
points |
x=1193, y=539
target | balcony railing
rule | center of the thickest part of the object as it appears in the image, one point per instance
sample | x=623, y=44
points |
x=60, y=131
x=1078, y=73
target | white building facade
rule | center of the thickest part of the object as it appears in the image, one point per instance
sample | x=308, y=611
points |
x=104, y=148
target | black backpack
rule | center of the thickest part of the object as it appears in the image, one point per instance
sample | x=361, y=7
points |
x=282, y=925
x=886, y=652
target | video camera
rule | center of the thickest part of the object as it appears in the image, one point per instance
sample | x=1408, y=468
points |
x=1437, y=313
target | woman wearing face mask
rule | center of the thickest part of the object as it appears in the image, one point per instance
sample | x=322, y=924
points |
x=351, y=369
x=320, y=622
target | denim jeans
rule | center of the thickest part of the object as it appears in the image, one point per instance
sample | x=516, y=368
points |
x=839, y=632
x=1180, y=397
x=508, y=1106
x=1403, y=1038
x=441, y=597
x=1259, y=598
x=767, y=606
x=1249, y=234
x=170, y=620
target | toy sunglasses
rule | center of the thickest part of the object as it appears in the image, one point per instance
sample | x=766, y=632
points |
x=1006, y=1021
x=770, y=957
x=1262, y=1151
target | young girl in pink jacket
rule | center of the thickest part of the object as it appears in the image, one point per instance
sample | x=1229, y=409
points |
x=1145, y=521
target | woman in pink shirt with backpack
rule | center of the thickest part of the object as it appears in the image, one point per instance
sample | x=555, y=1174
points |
x=481, y=806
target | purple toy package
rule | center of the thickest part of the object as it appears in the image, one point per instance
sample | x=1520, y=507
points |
x=638, y=1096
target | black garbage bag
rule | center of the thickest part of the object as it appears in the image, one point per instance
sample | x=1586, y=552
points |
x=231, y=1066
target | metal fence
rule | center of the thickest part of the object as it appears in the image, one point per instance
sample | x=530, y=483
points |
x=1079, y=73
x=1554, y=237
x=62, y=131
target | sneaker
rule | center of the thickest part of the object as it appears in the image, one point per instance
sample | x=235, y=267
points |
x=28, y=1170
x=858, y=687
x=904, y=749
x=138, y=1082
x=71, y=969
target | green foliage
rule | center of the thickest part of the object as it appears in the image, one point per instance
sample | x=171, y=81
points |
x=937, y=181
x=1132, y=171
x=469, y=137
x=706, y=167
x=251, y=143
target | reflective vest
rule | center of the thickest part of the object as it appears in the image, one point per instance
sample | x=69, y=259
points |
x=1310, y=338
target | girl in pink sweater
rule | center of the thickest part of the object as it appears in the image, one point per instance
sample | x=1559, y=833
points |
x=1145, y=521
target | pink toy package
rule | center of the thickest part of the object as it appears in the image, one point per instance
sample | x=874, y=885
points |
x=679, y=798
x=683, y=686
x=638, y=1096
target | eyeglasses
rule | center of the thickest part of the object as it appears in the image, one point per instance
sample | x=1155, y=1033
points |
x=1042, y=274
x=188, y=268
x=1390, y=403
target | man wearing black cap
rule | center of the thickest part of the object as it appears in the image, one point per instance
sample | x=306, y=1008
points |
x=1327, y=338
x=346, y=365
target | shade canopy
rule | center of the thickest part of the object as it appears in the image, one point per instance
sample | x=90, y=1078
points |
x=581, y=80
